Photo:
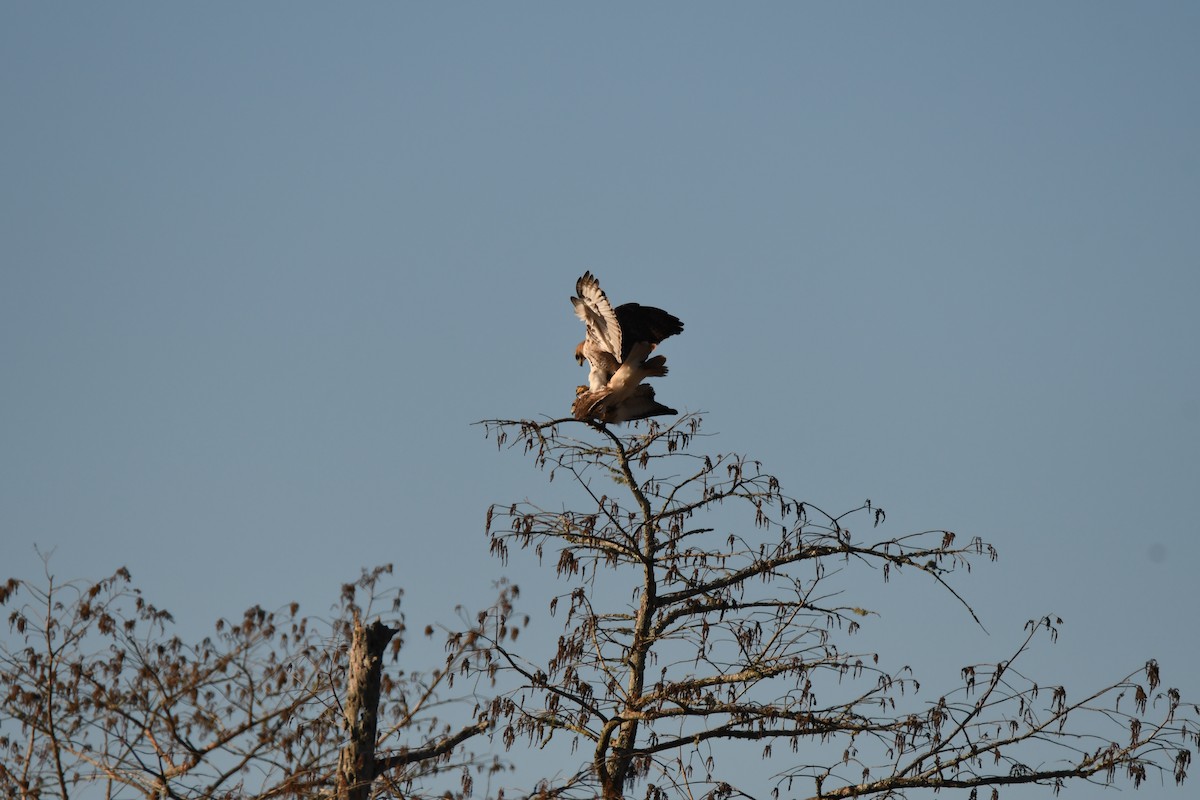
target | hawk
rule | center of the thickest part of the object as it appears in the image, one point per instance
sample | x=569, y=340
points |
x=610, y=407
x=613, y=335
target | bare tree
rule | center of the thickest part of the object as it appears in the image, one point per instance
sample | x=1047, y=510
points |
x=98, y=694
x=710, y=608
x=709, y=612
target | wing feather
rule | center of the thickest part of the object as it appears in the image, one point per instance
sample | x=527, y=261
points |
x=592, y=307
x=645, y=324
x=619, y=341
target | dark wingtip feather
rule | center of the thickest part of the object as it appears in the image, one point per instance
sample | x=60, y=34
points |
x=585, y=280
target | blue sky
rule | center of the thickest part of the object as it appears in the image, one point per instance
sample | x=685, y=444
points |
x=262, y=265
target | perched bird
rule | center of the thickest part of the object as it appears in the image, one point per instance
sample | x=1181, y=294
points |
x=612, y=335
x=606, y=406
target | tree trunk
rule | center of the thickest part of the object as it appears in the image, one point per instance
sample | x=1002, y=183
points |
x=356, y=763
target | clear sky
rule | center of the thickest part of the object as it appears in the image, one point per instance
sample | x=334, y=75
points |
x=262, y=265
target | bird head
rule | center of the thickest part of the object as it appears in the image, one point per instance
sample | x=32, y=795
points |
x=579, y=356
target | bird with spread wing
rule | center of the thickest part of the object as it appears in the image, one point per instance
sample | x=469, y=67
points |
x=617, y=347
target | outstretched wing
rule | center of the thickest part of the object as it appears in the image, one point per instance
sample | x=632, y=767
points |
x=645, y=324
x=593, y=308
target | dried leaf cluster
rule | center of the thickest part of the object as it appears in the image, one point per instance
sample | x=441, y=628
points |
x=708, y=607
x=706, y=613
x=99, y=694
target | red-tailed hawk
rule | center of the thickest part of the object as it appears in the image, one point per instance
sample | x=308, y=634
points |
x=611, y=407
x=612, y=334
x=617, y=346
